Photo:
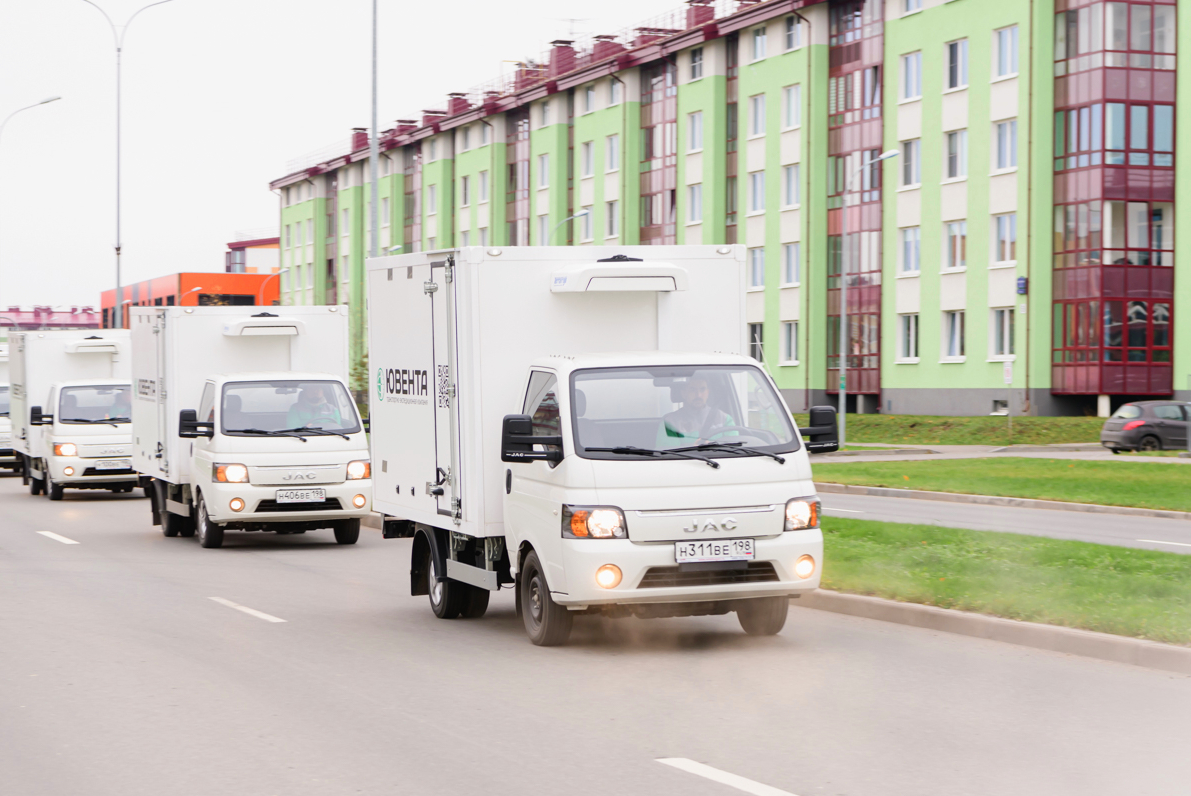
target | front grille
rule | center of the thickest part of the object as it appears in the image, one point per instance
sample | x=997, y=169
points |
x=96, y=471
x=670, y=577
x=330, y=504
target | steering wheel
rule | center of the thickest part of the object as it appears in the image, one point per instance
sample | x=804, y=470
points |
x=767, y=436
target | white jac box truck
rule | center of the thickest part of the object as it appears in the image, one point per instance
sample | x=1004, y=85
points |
x=8, y=457
x=581, y=423
x=243, y=420
x=70, y=400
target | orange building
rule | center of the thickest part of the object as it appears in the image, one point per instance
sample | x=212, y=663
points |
x=192, y=290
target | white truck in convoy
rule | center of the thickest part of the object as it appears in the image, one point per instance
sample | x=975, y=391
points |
x=243, y=420
x=8, y=457
x=70, y=410
x=581, y=423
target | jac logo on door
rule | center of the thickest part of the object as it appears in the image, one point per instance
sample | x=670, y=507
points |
x=299, y=476
x=403, y=386
x=712, y=524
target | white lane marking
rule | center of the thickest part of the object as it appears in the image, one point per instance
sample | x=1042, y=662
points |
x=247, y=610
x=850, y=511
x=722, y=777
x=1159, y=541
x=57, y=538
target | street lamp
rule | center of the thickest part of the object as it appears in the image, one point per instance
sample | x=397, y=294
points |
x=118, y=36
x=260, y=293
x=27, y=107
x=581, y=213
x=844, y=332
x=188, y=292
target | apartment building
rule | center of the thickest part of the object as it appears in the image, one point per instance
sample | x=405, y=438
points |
x=1016, y=254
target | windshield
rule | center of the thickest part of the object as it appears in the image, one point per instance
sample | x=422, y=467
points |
x=4, y=400
x=667, y=408
x=104, y=404
x=254, y=407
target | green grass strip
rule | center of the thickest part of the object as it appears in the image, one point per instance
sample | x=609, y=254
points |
x=1151, y=486
x=1120, y=590
x=985, y=430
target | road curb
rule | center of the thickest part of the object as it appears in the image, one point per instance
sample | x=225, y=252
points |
x=878, y=452
x=1103, y=646
x=996, y=500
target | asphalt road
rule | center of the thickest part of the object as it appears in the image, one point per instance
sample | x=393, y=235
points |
x=1149, y=533
x=119, y=674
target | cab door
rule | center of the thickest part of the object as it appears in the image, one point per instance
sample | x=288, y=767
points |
x=1172, y=425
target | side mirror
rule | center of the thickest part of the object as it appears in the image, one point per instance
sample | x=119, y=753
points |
x=190, y=426
x=36, y=418
x=517, y=440
x=822, y=435
x=368, y=425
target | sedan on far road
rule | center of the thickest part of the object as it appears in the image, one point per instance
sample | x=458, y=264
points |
x=1146, y=426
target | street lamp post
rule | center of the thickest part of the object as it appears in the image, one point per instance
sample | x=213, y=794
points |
x=260, y=293
x=118, y=36
x=844, y=331
x=27, y=107
x=580, y=214
x=188, y=292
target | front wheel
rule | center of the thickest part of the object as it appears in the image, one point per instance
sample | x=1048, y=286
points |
x=36, y=486
x=547, y=623
x=53, y=491
x=347, y=531
x=763, y=616
x=209, y=534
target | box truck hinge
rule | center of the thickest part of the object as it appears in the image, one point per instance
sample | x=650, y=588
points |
x=429, y=287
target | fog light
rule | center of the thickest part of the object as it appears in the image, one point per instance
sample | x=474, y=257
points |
x=236, y=504
x=608, y=576
x=68, y=470
x=804, y=567
x=358, y=501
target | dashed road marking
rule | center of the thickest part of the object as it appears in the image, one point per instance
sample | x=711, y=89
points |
x=1159, y=541
x=722, y=777
x=57, y=538
x=247, y=610
x=850, y=511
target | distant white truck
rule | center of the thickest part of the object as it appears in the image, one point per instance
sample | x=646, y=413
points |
x=581, y=423
x=70, y=410
x=243, y=420
x=8, y=457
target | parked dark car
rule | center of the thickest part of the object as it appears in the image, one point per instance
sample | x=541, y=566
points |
x=1147, y=426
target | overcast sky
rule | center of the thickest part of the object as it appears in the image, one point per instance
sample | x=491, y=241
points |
x=218, y=96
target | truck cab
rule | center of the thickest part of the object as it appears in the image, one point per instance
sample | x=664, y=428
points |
x=86, y=430
x=276, y=451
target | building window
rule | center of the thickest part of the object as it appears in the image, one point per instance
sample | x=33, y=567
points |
x=789, y=343
x=756, y=191
x=694, y=129
x=1002, y=337
x=288, y=241
x=543, y=171
x=957, y=64
x=433, y=156
x=587, y=224
x=612, y=214
x=909, y=6
x=957, y=154
x=464, y=191
x=589, y=98
x=1007, y=144
x=793, y=33
x=757, y=115
x=756, y=341
x=298, y=231
x=465, y=138
x=907, y=337
x=483, y=186
x=759, y=37
x=953, y=329
x=346, y=230
x=309, y=231
x=912, y=76
x=384, y=212
x=792, y=263
x=791, y=192
x=464, y=238
x=544, y=112
x=911, y=167
x=587, y=150
x=613, y=91
x=1006, y=238
x=957, y=246
x=431, y=204
x=757, y=267
x=694, y=201
x=612, y=155
x=485, y=132
x=483, y=236
x=792, y=106
x=911, y=250
x=696, y=63
x=1006, y=52
x=544, y=230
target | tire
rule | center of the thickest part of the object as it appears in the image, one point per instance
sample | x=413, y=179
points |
x=209, y=534
x=446, y=598
x=1115, y=451
x=53, y=491
x=763, y=616
x=347, y=531
x=1149, y=443
x=36, y=486
x=475, y=602
x=547, y=623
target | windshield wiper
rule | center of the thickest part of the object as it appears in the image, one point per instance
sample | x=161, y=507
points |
x=320, y=432
x=282, y=433
x=634, y=450
x=110, y=421
x=734, y=447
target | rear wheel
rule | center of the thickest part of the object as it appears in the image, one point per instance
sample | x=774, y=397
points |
x=763, y=616
x=446, y=596
x=209, y=534
x=53, y=491
x=1149, y=443
x=475, y=602
x=347, y=531
x=547, y=623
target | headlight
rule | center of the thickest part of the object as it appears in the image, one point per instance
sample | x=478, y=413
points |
x=359, y=469
x=66, y=449
x=593, y=522
x=231, y=473
x=802, y=513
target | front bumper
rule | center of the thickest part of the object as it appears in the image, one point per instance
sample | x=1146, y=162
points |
x=85, y=471
x=582, y=557
x=261, y=504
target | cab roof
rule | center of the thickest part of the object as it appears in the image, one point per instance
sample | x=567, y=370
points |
x=275, y=375
x=92, y=383
x=640, y=359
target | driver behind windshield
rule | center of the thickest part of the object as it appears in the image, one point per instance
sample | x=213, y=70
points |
x=695, y=419
x=121, y=408
x=312, y=409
